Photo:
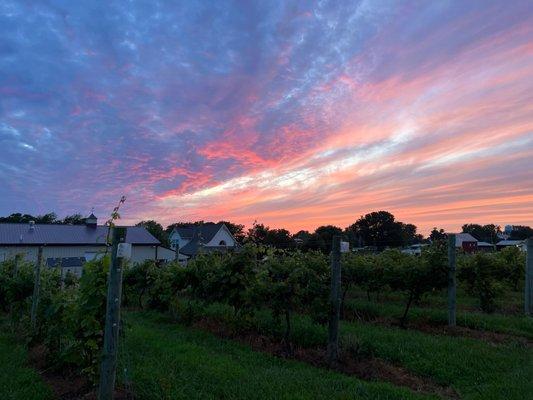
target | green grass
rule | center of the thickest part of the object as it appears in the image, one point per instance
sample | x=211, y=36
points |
x=476, y=369
x=169, y=361
x=17, y=381
x=509, y=324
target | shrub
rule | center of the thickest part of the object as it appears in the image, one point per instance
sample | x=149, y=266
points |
x=416, y=276
x=482, y=274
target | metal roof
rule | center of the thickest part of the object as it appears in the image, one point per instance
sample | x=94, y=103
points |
x=464, y=237
x=206, y=231
x=510, y=242
x=58, y=234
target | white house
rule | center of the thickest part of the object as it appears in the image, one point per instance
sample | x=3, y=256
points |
x=192, y=239
x=69, y=246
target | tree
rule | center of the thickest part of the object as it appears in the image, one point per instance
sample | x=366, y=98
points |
x=486, y=233
x=18, y=218
x=521, y=232
x=257, y=233
x=380, y=229
x=323, y=237
x=74, y=219
x=156, y=229
x=437, y=235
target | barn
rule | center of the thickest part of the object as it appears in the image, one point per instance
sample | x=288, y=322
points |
x=70, y=246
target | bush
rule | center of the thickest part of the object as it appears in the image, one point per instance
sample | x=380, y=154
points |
x=483, y=274
x=416, y=276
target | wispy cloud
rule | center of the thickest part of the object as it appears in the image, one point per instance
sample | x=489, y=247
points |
x=296, y=115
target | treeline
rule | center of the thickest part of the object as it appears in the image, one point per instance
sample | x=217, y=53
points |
x=50, y=218
x=379, y=229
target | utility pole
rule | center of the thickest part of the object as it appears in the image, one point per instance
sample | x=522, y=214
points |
x=452, y=283
x=36, y=288
x=112, y=321
x=335, y=302
x=528, y=294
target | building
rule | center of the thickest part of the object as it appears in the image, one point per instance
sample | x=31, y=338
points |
x=72, y=245
x=485, y=246
x=511, y=243
x=466, y=242
x=192, y=239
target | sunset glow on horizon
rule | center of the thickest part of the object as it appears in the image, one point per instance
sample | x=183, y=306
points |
x=295, y=115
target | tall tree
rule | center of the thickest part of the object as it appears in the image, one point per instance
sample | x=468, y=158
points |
x=156, y=229
x=380, y=229
x=437, y=235
x=486, y=233
x=323, y=237
x=521, y=232
x=74, y=219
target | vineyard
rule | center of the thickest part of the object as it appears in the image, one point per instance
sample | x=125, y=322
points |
x=254, y=324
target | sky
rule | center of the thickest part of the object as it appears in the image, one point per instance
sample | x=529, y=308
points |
x=294, y=114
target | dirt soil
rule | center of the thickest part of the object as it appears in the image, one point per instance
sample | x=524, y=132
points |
x=366, y=368
x=67, y=385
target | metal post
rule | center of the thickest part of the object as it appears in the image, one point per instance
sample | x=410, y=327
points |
x=112, y=321
x=452, y=283
x=528, y=294
x=335, y=301
x=36, y=288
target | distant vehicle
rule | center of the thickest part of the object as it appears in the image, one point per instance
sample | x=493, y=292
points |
x=415, y=249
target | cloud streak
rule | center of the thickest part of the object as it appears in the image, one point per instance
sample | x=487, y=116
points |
x=294, y=114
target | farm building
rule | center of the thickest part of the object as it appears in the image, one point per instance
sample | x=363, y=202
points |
x=72, y=245
x=466, y=242
x=193, y=239
x=521, y=244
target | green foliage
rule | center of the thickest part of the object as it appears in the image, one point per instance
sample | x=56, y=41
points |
x=415, y=276
x=513, y=262
x=137, y=281
x=483, y=275
x=286, y=281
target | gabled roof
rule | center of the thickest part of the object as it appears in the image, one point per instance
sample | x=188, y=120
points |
x=464, y=237
x=206, y=231
x=59, y=234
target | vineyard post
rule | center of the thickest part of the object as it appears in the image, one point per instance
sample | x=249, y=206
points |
x=334, y=312
x=452, y=283
x=36, y=288
x=15, y=274
x=112, y=320
x=528, y=304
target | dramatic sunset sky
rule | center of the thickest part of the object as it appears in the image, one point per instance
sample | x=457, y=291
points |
x=295, y=114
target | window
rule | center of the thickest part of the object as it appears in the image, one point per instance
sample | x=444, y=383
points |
x=222, y=243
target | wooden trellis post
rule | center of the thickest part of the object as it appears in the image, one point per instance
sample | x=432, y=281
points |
x=112, y=321
x=335, y=301
x=528, y=293
x=36, y=288
x=452, y=283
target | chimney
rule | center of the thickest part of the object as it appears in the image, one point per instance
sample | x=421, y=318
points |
x=32, y=226
x=91, y=221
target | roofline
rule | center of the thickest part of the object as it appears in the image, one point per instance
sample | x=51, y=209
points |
x=70, y=244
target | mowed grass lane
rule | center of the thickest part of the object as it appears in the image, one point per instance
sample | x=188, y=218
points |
x=17, y=380
x=169, y=361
